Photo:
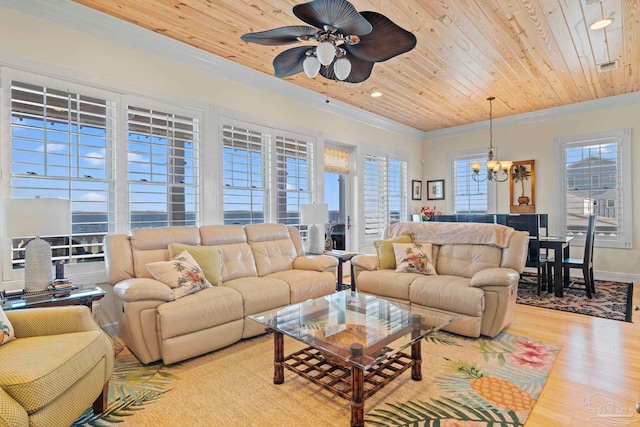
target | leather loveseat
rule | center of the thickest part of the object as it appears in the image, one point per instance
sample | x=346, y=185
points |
x=263, y=266
x=477, y=269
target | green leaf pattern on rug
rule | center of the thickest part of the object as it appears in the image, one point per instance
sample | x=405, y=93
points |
x=499, y=389
x=132, y=386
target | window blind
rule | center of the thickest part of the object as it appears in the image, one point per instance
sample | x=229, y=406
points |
x=245, y=156
x=162, y=168
x=293, y=169
x=62, y=147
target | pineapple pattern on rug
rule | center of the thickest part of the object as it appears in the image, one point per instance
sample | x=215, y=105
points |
x=497, y=386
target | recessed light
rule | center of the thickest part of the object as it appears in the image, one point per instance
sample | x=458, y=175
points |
x=601, y=23
x=376, y=94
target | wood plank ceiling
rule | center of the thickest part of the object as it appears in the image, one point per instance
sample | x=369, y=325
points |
x=529, y=54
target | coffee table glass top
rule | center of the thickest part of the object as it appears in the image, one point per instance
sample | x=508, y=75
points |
x=333, y=323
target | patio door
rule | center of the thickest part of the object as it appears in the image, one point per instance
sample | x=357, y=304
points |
x=336, y=194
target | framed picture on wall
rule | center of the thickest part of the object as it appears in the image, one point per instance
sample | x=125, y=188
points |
x=521, y=187
x=435, y=189
x=416, y=192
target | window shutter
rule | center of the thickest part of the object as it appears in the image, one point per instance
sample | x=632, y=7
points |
x=469, y=196
x=375, y=194
x=244, y=162
x=397, y=190
x=294, y=166
x=162, y=168
x=62, y=147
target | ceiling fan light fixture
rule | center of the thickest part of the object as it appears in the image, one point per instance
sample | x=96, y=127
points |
x=325, y=52
x=601, y=23
x=311, y=66
x=342, y=68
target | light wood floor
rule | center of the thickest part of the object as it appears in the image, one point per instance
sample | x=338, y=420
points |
x=599, y=360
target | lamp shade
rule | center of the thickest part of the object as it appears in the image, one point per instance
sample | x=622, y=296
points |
x=342, y=68
x=317, y=213
x=325, y=52
x=311, y=66
x=36, y=217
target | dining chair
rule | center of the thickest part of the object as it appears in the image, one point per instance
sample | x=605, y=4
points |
x=531, y=224
x=585, y=264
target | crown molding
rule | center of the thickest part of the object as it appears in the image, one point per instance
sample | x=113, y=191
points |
x=554, y=113
x=90, y=21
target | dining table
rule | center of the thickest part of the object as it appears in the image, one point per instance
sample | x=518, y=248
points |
x=560, y=247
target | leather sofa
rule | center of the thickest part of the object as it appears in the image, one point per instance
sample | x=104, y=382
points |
x=478, y=267
x=263, y=266
x=58, y=365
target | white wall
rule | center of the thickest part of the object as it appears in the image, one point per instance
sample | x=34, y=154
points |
x=534, y=139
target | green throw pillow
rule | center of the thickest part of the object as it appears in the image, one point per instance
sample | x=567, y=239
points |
x=384, y=248
x=209, y=258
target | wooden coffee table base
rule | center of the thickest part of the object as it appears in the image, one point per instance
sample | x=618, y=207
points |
x=349, y=382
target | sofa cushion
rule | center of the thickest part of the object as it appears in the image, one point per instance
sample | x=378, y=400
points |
x=306, y=284
x=414, y=258
x=183, y=274
x=467, y=260
x=386, y=283
x=150, y=245
x=260, y=293
x=55, y=364
x=273, y=256
x=6, y=328
x=451, y=293
x=209, y=258
x=206, y=309
x=385, y=250
x=237, y=261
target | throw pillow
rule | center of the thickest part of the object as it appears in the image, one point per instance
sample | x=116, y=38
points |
x=413, y=258
x=384, y=248
x=183, y=274
x=6, y=329
x=209, y=258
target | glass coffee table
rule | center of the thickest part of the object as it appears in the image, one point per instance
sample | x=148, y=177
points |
x=355, y=343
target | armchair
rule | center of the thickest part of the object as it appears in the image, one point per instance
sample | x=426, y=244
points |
x=58, y=366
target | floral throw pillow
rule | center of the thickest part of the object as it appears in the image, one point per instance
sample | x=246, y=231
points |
x=413, y=258
x=6, y=329
x=182, y=273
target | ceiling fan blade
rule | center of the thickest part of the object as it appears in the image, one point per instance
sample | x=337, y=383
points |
x=385, y=41
x=280, y=36
x=290, y=61
x=337, y=13
x=360, y=71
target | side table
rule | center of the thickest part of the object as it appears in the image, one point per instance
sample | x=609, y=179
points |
x=80, y=296
x=342, y=257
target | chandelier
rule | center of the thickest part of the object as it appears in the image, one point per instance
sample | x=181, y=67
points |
x=493, y=164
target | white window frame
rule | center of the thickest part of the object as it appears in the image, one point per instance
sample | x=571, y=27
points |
x=380, y=190
x=271, y=140
x=192, y=187
x=622, y=138
x=468, y=156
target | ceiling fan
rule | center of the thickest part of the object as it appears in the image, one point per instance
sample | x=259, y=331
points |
x=349, y=42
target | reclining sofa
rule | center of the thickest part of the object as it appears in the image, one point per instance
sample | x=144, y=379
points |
x=262, y=267
x=477, y=269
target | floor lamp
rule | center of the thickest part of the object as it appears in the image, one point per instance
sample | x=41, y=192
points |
x=314, y=215
x=36, y=217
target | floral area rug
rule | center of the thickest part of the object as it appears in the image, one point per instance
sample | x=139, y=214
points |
x=470, y=382
x=612, y=300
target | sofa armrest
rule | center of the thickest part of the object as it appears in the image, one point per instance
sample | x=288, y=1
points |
x=315, y=262
x=366, y=262
x=34, y=322
x=498, y=276
x=143, y=289
x=12, y=414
